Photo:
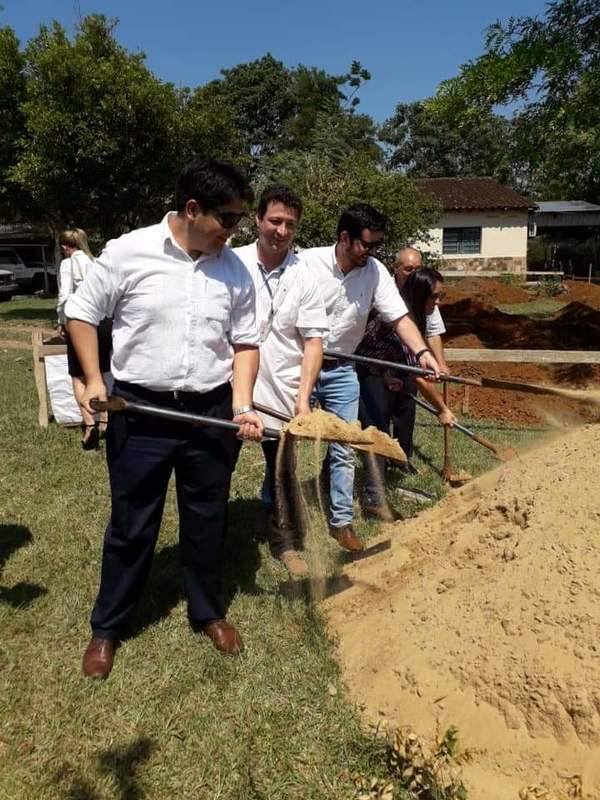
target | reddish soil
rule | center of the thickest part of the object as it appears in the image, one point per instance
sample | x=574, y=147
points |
x=485, y=290
x=582, y=292
x=473, y=322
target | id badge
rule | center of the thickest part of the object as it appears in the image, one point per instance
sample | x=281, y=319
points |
x=265, y=329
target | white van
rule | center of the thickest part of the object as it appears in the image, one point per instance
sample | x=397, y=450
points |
x=29, y=277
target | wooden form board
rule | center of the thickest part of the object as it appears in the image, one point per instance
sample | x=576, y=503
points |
x=40, y=351
x=524, y=356
x=481, y=356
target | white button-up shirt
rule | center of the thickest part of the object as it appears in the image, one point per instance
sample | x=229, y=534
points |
x=289, y=308
x=175, y=319
x=350, y=297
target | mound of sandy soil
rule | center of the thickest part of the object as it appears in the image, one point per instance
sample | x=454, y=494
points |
x=485, y=614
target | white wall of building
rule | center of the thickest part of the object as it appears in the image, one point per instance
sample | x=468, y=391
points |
x=503, y=234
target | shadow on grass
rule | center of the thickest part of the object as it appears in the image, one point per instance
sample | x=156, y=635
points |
x=45, y=314
x=22, y=594
x=242, y=557
x=121, y=763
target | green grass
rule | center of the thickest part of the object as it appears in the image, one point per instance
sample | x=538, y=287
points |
x=28, y=311
x=175, y=719
x=542, y=308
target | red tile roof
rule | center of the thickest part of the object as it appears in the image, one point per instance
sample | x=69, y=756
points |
x=471, y=194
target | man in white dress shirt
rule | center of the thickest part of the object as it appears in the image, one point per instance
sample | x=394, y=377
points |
x=184, y=329
x=292, y=321
x=353, y=282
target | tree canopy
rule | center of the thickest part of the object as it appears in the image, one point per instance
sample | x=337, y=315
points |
x=549, y=70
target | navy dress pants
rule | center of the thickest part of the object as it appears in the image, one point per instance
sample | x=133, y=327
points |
x=404, y=412
x=142, y=453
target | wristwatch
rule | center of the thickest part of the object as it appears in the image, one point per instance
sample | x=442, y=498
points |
x=422, y=352
x=242, y=410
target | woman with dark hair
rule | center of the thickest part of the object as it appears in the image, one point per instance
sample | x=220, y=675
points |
x=379, y=387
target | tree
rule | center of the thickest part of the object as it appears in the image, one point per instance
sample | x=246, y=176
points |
x=550, y=68
x=425, y=146
x=327, y=188
x=12, y=122
x=101, y=147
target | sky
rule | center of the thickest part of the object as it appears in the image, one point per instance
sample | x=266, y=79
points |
x=408, y=46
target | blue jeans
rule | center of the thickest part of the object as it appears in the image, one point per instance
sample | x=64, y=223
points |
x=337, y=391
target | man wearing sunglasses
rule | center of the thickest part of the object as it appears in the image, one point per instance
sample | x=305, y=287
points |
x=353, y=282
x=185, y=338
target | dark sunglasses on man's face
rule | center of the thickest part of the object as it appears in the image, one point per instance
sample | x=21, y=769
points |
x=371, y=247
x=227, y=219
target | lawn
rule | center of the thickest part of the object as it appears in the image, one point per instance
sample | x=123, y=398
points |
x=540, y=308
x=175, y=719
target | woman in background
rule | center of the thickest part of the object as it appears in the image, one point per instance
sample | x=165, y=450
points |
x=378, y=386
x=73, y=268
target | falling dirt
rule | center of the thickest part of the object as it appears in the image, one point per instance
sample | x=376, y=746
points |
x=484, y=614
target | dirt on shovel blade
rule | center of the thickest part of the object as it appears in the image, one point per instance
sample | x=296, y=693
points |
x=327, y=428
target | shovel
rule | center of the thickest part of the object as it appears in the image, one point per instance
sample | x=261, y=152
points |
x=488, y=383
x=114, y=403
x=501, y=455
x=383, y=445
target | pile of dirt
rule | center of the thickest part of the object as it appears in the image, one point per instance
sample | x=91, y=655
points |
x=485, y=290
x=484, y=615
x=582, y=292
x=473, y=324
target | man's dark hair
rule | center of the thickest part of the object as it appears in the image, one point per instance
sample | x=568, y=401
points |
x=417, y=290
x=278, y=193
x=355, y=219
x=211, y=183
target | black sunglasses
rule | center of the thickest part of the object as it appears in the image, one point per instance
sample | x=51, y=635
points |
x=227, y=219
x=371, y=247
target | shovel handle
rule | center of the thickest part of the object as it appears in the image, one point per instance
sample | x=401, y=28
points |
x=457, y=425
x=181, y=416
x=271, y=412
x=379, y=362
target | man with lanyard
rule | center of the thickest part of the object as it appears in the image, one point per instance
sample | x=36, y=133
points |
x=292, y=320
x=404, y=407
x=353, y=283
x=184, y=329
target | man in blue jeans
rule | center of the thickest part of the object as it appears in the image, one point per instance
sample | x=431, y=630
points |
x=353, y=282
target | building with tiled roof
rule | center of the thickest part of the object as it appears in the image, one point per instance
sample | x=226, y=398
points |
x=483, y=228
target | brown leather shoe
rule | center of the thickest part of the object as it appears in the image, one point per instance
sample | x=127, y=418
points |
x=98, y=658
x=346, y=538
x=382, y=513
x=224, y=637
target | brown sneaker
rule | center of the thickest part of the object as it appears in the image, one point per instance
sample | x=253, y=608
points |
x=98, y=658
x=294, y=562
x=382, y=513
x=346, y=538
x=224, y=637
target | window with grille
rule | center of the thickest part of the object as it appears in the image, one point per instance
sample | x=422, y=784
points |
x=461, y=241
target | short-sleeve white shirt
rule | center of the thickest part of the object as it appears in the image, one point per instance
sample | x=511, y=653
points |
x=291, y=310
x=176, y=319
x=434, y=324
x=349, y=297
